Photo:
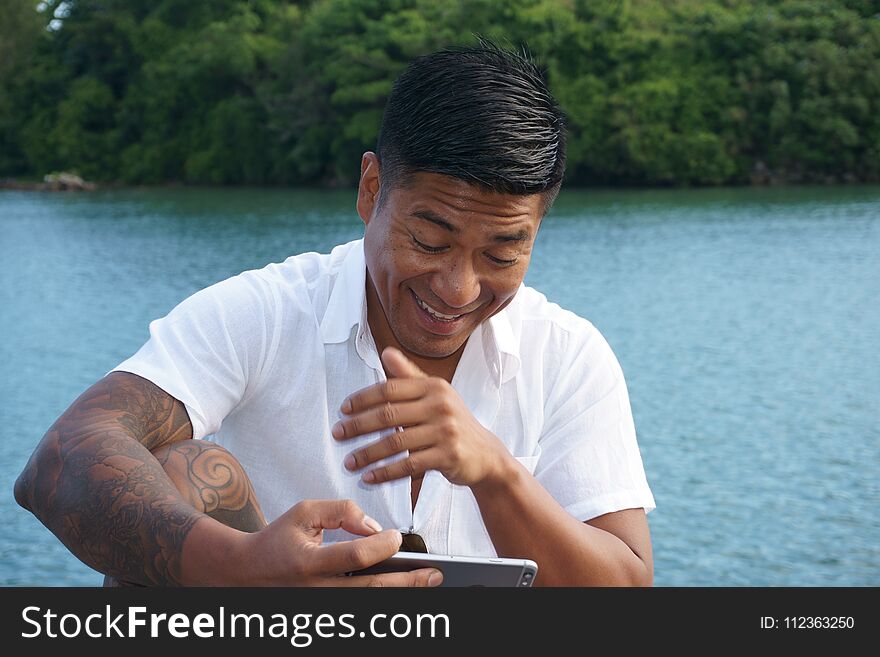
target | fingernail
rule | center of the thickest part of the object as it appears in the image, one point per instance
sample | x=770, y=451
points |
x=435, y=579
x=349, y=462
x=372, y=524
x=369, y=477
x=337, y=430
x=346, y=406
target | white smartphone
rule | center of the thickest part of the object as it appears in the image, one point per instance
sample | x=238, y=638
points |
x=462, y=571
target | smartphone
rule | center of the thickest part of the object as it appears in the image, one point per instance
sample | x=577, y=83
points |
x=461, y=571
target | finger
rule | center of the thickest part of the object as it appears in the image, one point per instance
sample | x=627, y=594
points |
x=387, y=416
x=421, y=577
x=399, y=365
x=336, y=514
x=414, y=464
x=392, y=390
x=399, y=441
x=347, y=556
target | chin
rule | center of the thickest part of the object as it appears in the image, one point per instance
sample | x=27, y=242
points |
x=430, y=349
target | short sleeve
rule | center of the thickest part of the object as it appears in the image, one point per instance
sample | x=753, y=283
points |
x=209, y=352
x=589, y=457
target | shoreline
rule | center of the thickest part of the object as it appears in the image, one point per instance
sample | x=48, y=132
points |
x=54, y=182
x=12, y=184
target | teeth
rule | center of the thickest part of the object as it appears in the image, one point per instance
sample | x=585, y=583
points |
x=431, y=311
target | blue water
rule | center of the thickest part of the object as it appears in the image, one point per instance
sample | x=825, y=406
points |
x=746, y=322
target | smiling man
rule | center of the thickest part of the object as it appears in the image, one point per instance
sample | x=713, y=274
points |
x=408, y=380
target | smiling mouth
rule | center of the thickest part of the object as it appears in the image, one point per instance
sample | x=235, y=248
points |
x=440, y=317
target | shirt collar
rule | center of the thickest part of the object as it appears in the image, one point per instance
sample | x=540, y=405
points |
x=347, y=307
x=501, y=343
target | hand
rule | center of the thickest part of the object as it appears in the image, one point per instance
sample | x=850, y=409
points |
x=432, y=422
x=288, y=551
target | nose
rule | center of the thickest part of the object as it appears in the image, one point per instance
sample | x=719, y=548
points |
x=458, y=286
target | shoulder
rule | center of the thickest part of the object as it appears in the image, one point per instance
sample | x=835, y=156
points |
x=288, y=294
x=300, y=284
x=302, y=273
x=536, y=318
x=534, y=307
x=557, y=341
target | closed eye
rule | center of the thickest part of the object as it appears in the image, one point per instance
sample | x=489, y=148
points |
x=501, y=261
x=438, y=249
x=428, y=248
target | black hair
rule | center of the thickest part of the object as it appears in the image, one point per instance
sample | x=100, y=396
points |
x=481, y=114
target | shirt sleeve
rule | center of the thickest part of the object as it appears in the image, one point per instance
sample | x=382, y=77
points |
x=210, y=350
x=589, y=457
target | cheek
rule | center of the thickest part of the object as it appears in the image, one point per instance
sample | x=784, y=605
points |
x=505, y=286
x=514, y=276
x=398, y=265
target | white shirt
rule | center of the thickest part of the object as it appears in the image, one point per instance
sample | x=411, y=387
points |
x=263, y=361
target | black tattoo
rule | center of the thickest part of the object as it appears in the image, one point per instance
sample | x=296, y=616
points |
x=213, y=482
x=93, y=482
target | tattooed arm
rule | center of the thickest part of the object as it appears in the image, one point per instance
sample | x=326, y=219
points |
x=95, y=484
x=213, y=482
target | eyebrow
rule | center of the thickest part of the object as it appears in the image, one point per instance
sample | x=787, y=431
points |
x=519, y=236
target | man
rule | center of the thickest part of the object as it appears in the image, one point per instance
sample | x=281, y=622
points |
x=407, y=380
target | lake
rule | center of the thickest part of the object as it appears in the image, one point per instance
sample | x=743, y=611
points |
x=745, y=320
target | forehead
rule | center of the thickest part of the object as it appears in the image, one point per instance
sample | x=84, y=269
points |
x=464, y=205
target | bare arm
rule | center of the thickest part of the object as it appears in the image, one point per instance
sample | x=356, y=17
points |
x=523, y=518
x=94, y=483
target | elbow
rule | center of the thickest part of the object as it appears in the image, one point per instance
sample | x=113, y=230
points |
x=638, y=565
x=23, y=490
x=38, y=477
x=639, y=573
x=631, y=572
x=630, y=575
x=19, y=492
x=645, y=577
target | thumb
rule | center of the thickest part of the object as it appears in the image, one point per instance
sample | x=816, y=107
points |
x=399, y=365
x=336, y=514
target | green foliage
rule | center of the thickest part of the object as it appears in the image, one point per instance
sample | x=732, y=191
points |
x=689, y=92
x=20, y=34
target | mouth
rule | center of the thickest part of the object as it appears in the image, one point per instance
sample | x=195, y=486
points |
x=440, y=317
x=437, y=323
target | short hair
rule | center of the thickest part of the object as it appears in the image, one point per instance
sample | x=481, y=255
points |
x=481, y=114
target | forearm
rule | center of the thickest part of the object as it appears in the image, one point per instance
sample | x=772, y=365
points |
x=524, y=520
x=110, y=502
x=94, y=482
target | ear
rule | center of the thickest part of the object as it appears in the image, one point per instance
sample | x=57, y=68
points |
x=368, y=187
